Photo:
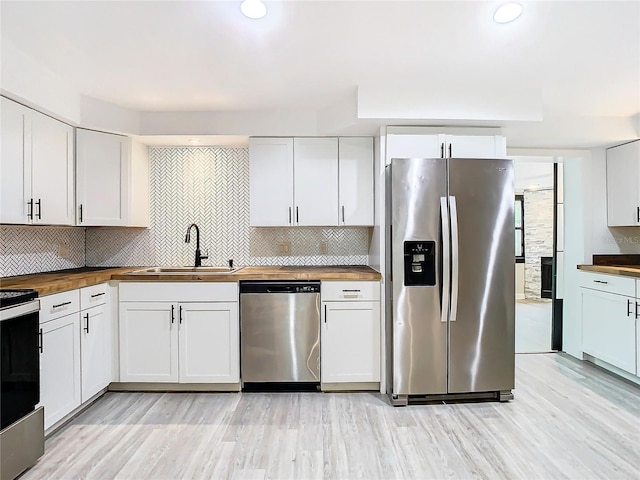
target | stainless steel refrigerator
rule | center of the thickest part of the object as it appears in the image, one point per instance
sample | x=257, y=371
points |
x=450, y=279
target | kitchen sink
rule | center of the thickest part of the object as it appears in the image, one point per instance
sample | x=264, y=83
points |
x=185, y=270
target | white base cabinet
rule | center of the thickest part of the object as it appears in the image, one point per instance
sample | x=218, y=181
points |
x=60, y=381
x=95, y=343
x=350, y=332
x=190, y=341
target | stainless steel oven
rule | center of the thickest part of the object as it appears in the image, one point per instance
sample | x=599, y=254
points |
x=21, y=423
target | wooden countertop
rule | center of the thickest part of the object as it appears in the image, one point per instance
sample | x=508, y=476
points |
x=64, y=280
x=624, y=270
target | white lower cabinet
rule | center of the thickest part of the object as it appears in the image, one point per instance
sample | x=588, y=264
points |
x=350, y=332
x=179, y=341
x=350, y=346
x=95, y=347
x=60, y=381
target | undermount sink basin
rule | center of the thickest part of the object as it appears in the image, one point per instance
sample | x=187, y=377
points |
x=186, y=270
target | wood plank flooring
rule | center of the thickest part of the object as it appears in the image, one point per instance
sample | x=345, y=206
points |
x=568, y=420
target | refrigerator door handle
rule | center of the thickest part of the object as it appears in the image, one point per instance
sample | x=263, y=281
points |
x=454, y=258
x=446, y=264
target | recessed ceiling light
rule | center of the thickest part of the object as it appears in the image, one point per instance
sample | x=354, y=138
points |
x=507, y=12
x=253, y=8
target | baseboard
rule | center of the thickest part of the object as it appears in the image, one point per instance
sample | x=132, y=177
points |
x=610, y=368
x=173, y=387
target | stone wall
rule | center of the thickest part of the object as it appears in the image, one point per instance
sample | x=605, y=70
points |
x=538, y=236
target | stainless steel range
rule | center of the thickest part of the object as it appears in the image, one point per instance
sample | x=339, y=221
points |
x=21, y=423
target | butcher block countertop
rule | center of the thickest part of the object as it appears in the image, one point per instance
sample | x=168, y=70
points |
x=64, y=280
x=625, y=270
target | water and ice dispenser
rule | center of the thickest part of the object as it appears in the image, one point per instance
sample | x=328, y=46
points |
x=420, y=263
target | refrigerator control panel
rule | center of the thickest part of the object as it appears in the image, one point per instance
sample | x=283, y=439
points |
x=420, y=263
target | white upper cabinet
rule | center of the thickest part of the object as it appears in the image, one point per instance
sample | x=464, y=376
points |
x=311, y=181
x=271, y=182
x=623, y=185
x=315, y=181
x=102, y=183
x=355, y=180
x=37, y=167
x=445, y=146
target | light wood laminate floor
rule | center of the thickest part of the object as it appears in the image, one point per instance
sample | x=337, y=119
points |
x=568, y=420
x=533, y=326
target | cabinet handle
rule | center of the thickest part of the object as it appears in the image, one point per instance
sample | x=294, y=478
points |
x=297, y=219
x=180, y=314
x=638, y=214
x=80, y=213
x=61, y=305
x=342, y=213
x=442, y=150
x=325, y=314
x=30, y=211
x=629, y=307
x=39, y=204
x=289, y=215
x=172, y=315
x=351, y=291
x=601, y=281
x=450, y=154
x=86, y=329
x=40, y=341
x=97, y=294
x=636, y=310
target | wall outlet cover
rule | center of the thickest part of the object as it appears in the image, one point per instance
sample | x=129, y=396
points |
x=284, y=248
x=63, y=250
x=323, y=248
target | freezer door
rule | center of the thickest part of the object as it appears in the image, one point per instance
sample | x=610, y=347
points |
x=419, y=336
x=481, y=331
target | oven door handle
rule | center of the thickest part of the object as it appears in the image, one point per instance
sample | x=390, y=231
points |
x=40, y=341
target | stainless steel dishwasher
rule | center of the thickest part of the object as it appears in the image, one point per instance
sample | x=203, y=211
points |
x=280, y=332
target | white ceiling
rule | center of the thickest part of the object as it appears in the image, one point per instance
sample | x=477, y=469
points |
x=575, y=65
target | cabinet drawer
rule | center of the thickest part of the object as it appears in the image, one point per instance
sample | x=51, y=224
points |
x=58, y=305
x=356, y=290
x=608, y=283
x=178, y=292
x=92, y=296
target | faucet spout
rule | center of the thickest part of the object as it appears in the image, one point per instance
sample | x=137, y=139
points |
x=187, y=239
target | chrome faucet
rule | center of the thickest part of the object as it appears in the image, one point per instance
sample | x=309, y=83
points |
x=187, y=239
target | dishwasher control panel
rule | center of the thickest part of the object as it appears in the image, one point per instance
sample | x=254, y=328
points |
x=279, y=287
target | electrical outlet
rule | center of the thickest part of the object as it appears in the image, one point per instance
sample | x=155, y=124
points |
x=284, y=248
x=63, y=250
x=323, y=248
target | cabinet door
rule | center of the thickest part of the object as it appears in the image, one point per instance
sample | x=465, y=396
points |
x=623, y=185
x=350, y=342
x=15, y=162
x=315, y=181
x=609, y=328
x=271, y=182
x=148, y=342
x=139, y=207
x=102, y=186
x=475, y=146
x=355, y=180
x=60, y=368
x=95, y=348
x=51, y=170
x=414, y=146
x=209, y=343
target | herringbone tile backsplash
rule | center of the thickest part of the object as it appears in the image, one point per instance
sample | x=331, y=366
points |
x=210, y=187
x=33, y=249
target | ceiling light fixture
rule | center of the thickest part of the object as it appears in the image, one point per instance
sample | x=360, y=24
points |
x=253, y=8
x=507, y=12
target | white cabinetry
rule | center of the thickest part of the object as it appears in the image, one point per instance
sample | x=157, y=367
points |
x=60, y=375
x=271, y=182
x=609, y=319
x=95, y=340
x=311, y=181
x=350, y=333
x=355, y=180
x=36, y=167
x=415, y=145
x=192, y=338
x=112, y=180
x=623, y=185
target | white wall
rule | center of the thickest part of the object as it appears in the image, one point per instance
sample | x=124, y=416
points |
x=519, y=281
